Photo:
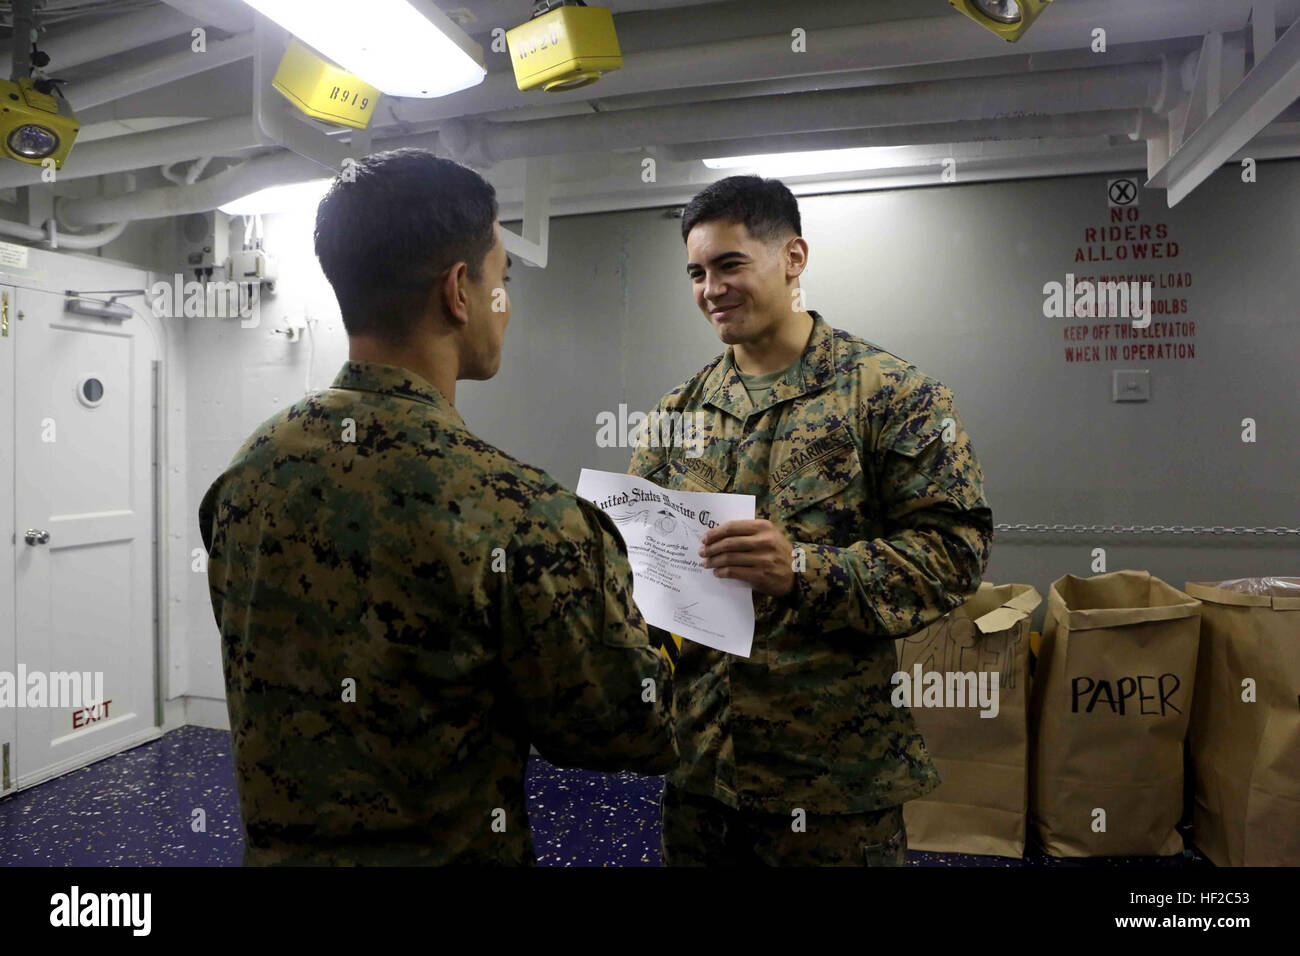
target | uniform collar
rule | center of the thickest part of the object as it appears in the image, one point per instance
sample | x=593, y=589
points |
x=396, y=381
x=815, y=369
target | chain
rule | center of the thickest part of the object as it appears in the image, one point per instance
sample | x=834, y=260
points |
x=1139, y=529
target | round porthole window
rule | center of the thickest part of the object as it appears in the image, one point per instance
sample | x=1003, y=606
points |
x=90, y=390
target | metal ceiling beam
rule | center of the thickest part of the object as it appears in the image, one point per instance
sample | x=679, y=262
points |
x=1269, y=88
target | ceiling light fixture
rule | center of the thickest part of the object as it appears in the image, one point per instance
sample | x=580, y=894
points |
x=401, y=47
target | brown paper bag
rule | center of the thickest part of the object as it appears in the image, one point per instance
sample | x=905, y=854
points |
x=1246, y=755
x=982, y=803
x=1108, y=713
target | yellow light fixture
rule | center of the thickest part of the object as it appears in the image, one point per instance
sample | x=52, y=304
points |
x=322, y=90
x=1009, y=19
x=35, y=126
x=564, y=48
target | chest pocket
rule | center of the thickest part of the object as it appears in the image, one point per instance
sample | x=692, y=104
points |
x=831, y=478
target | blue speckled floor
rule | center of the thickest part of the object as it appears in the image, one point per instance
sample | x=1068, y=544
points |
x=138, y=809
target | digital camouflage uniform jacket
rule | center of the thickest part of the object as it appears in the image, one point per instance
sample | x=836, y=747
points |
x=847, y=454
x=372, y=560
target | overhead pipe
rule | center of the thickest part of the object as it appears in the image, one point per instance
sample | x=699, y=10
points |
x=51, y=237
x=1095, y=123
x=876, y=45
x=478, y=142
x=226, y=186
x=973, y=169
x=196, y=169
x=1137, y=86
x=406, y=113
x=977, y=69
x=284, y=168
x=1068, y=26
x=218, y=137
x=187, y=178
x=879, y=44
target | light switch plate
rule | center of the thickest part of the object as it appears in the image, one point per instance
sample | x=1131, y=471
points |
x=1131, y=385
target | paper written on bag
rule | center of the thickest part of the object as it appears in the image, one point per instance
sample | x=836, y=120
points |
x=663, y=530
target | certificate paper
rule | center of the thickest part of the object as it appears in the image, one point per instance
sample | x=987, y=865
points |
x=662, y=530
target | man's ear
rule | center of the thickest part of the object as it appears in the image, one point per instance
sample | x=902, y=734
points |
x=450, y=297
x=796, y=257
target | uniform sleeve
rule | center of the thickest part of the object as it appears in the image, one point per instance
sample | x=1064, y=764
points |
x=575, y=647
x=938, y=528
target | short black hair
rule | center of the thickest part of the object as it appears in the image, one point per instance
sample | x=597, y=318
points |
x=391, y=227
x=766, y=207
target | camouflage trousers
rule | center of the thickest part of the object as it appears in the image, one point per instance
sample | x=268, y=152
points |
x=700, y=831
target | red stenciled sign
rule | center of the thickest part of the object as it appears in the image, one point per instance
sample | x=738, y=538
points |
x=80, y=718
x=1091, y=334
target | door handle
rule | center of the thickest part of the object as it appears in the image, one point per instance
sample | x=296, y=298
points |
x=36, y=536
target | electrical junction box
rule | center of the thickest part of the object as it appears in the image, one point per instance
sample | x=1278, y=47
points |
x=564, y=49
x=1131, y=385
x=322, y=90
x=251, y=265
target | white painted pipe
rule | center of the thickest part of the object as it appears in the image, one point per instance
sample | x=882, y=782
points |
x=224, y=187
x=169, y=173
x=219, y=137
x=892, y=43
x=1018, y=64
x=600, y=136
x=230, y=184
x=1125, y=87
x=154, y=73
x=196, y=170
x=1096, y=123
x=93, y=240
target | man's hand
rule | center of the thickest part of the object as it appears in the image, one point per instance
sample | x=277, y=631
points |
x=754, y=551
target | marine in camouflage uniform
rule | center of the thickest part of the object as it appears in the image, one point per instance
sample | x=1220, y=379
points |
x=354, y=538
x=863, y=462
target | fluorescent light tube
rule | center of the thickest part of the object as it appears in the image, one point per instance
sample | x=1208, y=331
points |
x=401, y=47
x=272, y=199
x=809, y=164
